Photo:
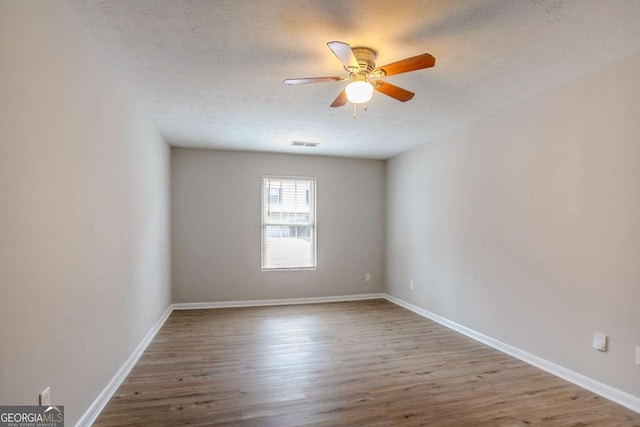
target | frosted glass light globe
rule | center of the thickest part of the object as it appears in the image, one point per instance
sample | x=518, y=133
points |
x=359, y=92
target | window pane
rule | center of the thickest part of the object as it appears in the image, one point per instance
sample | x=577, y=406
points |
x=288, y=247
x=275, y=195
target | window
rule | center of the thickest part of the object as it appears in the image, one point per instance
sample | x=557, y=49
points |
x=288, y=223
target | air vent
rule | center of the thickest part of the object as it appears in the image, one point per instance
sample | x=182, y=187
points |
x=304, y=144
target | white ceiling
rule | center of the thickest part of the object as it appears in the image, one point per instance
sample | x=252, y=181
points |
x=210, y=72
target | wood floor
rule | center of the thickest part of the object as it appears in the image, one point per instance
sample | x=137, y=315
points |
x=365, y=363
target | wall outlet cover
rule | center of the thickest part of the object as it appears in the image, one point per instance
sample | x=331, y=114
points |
x=599, y=341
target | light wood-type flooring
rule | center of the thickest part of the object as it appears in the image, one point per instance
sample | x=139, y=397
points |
x=365, y=363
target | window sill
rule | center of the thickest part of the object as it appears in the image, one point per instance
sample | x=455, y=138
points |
x=289, y=269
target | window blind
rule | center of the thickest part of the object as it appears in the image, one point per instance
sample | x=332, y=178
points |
x=288, y=223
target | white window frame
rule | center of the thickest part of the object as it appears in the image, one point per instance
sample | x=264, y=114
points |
x=313, y=199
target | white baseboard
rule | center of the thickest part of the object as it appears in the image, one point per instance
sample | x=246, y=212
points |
x=264, y=302
x=620, y=397
x=625, y=399
x=89, y=417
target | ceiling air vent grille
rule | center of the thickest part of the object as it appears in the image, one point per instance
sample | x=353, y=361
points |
x=304, y=144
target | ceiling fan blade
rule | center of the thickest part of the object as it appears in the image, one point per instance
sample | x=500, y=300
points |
x=410, y=64
x=395, y=92
x=340, y=100
x=344, y=53
x=303, y=80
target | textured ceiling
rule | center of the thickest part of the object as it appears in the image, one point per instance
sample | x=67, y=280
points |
x=210, y=72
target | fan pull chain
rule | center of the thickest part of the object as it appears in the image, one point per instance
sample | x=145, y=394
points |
x=355, y=110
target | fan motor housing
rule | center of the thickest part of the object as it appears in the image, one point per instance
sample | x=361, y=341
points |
x=366, y=58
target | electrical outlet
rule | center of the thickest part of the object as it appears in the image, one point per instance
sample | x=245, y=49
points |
x=599, y=341
x=367, y=277
x=638, y=355
x=45, y=397
x=411, y=285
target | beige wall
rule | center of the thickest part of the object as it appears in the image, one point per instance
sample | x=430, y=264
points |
x=216, y=226
x=84, y=235
x=526, y=226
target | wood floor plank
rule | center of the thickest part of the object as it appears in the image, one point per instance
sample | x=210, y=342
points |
x=364, y=363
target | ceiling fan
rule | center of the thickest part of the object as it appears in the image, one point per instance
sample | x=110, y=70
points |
x=359, y=62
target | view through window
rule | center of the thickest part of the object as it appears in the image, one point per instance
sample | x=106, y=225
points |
x=288, y=223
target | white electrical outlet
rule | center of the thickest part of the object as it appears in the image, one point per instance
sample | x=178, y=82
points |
x=367, y=277
x=638, y=355
x=45, y=397
x=411, y=285
x=599, y=341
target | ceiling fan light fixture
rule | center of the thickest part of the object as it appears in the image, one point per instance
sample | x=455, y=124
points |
x=360, y=63
x=359, y=92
